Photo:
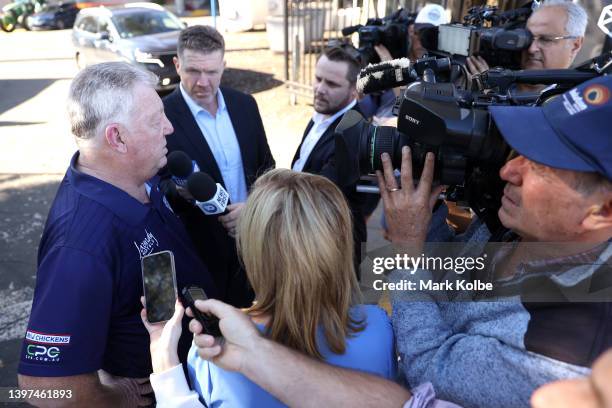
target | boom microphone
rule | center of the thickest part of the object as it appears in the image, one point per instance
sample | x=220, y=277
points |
x=211, y=197
x=181, y=166
x=385, y=75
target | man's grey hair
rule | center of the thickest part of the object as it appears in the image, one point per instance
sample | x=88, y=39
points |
x=102, y=94
x=577, y=18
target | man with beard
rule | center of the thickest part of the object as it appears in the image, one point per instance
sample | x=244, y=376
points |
x=334, y=94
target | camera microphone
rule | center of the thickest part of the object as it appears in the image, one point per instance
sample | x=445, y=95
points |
x=385, y=75
x=346, y=31
x=210, y=197
x=181, y=166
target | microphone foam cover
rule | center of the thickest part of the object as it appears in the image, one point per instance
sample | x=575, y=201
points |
x=179, y=164
x=201, y=186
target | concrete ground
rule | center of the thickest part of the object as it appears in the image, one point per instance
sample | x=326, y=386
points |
x=35, y=72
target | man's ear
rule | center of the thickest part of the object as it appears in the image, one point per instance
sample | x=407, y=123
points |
x=354, y=93
x=576, y=46
x=177, y=63
x=599, y=217
x=115, y=135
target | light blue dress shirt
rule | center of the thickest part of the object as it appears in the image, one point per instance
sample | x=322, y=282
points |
x=219, y=133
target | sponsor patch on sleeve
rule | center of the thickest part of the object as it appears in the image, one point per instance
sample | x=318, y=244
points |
x=44, y=338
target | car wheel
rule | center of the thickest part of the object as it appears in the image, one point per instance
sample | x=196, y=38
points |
x=61, y=25
x=9, y=21
x=26, y=21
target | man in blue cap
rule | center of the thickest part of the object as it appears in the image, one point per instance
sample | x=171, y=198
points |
x=559, y=189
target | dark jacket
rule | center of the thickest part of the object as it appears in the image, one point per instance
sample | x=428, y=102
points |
x=322, y=161
x=213, y=243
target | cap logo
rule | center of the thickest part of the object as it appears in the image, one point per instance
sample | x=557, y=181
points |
x=576, y=104
x=596, y=95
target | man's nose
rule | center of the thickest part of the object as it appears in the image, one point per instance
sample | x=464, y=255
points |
x=167, y=127
x=534, y=46
x=512, y=170
x=320, y=89
x=203, y=80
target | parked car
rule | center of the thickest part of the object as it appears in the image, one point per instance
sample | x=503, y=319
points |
x=17, y=12
x=143, y=34
x=54, y=16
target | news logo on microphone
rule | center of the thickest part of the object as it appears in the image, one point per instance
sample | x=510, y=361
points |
x=217, y=204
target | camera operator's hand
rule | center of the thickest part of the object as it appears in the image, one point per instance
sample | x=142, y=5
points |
x=240, y=336
x=408, y=209
x=476, y=65
x=385, y=55
x=383, y=52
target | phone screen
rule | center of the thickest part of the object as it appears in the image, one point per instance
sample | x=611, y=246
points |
x=197, y=294
x=159, y=280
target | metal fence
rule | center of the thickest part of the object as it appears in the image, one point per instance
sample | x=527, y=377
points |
x=309, y=25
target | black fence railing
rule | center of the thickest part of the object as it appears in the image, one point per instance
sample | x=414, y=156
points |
x=309, y=25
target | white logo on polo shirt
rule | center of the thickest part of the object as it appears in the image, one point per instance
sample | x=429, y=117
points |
x=147, y=244
x=576, y=105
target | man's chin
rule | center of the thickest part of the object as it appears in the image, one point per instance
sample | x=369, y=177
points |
x=320, y=107
x=534, y=64
x=324, y=109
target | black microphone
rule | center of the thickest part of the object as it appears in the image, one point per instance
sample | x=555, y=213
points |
x=386, y=75
x=181, y=166
x=210, y=197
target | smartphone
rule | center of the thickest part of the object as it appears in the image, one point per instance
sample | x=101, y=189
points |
x=209, y=322
x=159, y=282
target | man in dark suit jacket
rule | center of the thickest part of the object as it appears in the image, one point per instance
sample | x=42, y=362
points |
x=221, y=129
x=334, y=94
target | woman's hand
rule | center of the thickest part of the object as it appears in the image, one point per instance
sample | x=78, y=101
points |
x=240, y=336
x=164, y=338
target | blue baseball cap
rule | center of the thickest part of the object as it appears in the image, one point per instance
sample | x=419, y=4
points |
x=572, y=131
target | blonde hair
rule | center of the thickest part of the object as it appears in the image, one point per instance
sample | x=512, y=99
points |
x=296, y=244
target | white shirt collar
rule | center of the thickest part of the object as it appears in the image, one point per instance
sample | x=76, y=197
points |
x=193, y=105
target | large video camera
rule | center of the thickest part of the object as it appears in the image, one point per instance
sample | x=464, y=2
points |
x=390, y=31
x=500, y=42
x=453, y=123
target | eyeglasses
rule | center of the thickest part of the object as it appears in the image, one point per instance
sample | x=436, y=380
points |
x=548, y=40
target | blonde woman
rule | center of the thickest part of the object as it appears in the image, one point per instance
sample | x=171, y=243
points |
x=294, y=237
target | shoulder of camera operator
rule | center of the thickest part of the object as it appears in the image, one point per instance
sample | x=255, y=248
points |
x=558, y=28
x=558, y=189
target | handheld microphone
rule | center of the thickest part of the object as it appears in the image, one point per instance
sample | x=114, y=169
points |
x=181, y=166
x=385, y=75
x=210, y=197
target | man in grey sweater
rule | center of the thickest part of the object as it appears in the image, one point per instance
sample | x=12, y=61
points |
x=559, y=189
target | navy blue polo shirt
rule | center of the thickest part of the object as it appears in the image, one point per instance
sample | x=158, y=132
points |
x=86, y=310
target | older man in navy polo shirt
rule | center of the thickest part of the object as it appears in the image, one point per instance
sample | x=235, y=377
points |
x=85, y=332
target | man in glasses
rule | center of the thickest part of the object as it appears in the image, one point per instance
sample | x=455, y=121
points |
x=558, y=28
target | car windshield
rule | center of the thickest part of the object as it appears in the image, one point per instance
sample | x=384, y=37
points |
x=145, y=22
